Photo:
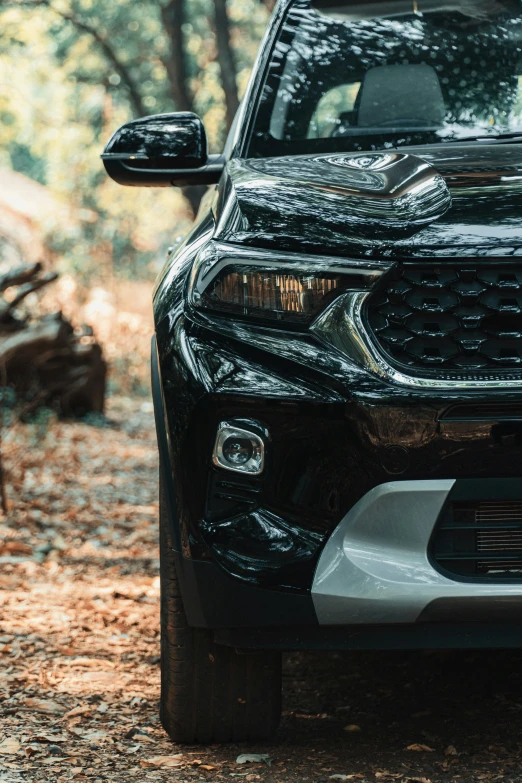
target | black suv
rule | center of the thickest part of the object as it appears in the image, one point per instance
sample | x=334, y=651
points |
x=337, y=362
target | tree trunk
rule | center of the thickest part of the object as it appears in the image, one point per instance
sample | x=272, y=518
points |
x=226, y=60
x=173, y=16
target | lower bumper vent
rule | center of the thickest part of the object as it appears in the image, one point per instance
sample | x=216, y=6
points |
x=481, y=539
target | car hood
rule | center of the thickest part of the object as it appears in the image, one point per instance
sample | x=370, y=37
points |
x=439, y=200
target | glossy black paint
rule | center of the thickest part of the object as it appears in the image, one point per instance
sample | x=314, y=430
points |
x=335, y=429
x=179, y=137
x=330, y=444
x=290, y=203
x=210, y=598
x=375, y=196
x=161, y=150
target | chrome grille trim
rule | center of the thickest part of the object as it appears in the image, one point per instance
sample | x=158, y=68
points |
x=359, y=344
x=459, y=318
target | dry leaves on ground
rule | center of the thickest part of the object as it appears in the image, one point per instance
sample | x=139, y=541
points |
x=79, y=647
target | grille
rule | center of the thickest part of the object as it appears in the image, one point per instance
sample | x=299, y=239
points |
x=481, y=539
x=228, y=498
x=454, y=320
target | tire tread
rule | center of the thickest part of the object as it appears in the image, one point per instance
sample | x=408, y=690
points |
x=210, y=693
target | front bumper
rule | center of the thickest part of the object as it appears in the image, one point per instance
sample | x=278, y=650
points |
x=376, y=567
x=311, y=543
x=377, y=586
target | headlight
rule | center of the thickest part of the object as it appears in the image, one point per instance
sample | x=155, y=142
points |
x=262, y=294
x=274, y=287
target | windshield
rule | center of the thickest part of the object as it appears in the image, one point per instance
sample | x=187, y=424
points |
x=377, y=75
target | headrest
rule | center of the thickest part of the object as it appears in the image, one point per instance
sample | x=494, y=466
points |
x=403, y=95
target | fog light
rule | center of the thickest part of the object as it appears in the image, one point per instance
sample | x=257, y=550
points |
x=239, y=450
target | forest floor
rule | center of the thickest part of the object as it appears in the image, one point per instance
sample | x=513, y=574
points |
x=79, y=648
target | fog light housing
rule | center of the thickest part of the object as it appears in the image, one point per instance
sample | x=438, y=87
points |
x=239, y=450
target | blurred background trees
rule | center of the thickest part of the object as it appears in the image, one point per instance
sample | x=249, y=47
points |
x=71, y=71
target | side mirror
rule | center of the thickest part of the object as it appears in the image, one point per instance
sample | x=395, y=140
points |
x=162, y=150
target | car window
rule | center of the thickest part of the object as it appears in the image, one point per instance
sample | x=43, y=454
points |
x=348, y=81
x=336, y=105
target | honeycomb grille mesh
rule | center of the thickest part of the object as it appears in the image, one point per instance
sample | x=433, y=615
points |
x=454, y=319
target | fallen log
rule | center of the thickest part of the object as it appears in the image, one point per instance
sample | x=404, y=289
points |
x=46, y=361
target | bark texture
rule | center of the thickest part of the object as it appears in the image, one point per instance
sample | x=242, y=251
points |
x=226, y=60
x=173, y=16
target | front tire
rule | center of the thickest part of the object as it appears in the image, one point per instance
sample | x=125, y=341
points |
x=210, y=693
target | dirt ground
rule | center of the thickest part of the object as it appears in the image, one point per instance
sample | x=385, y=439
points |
x=79, y=648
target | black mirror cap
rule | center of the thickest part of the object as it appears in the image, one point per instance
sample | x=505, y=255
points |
x=160, y=151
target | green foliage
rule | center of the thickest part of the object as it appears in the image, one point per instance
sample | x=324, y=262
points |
x=71, y=71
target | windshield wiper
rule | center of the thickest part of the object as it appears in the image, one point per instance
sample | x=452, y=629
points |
x=506, y=138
